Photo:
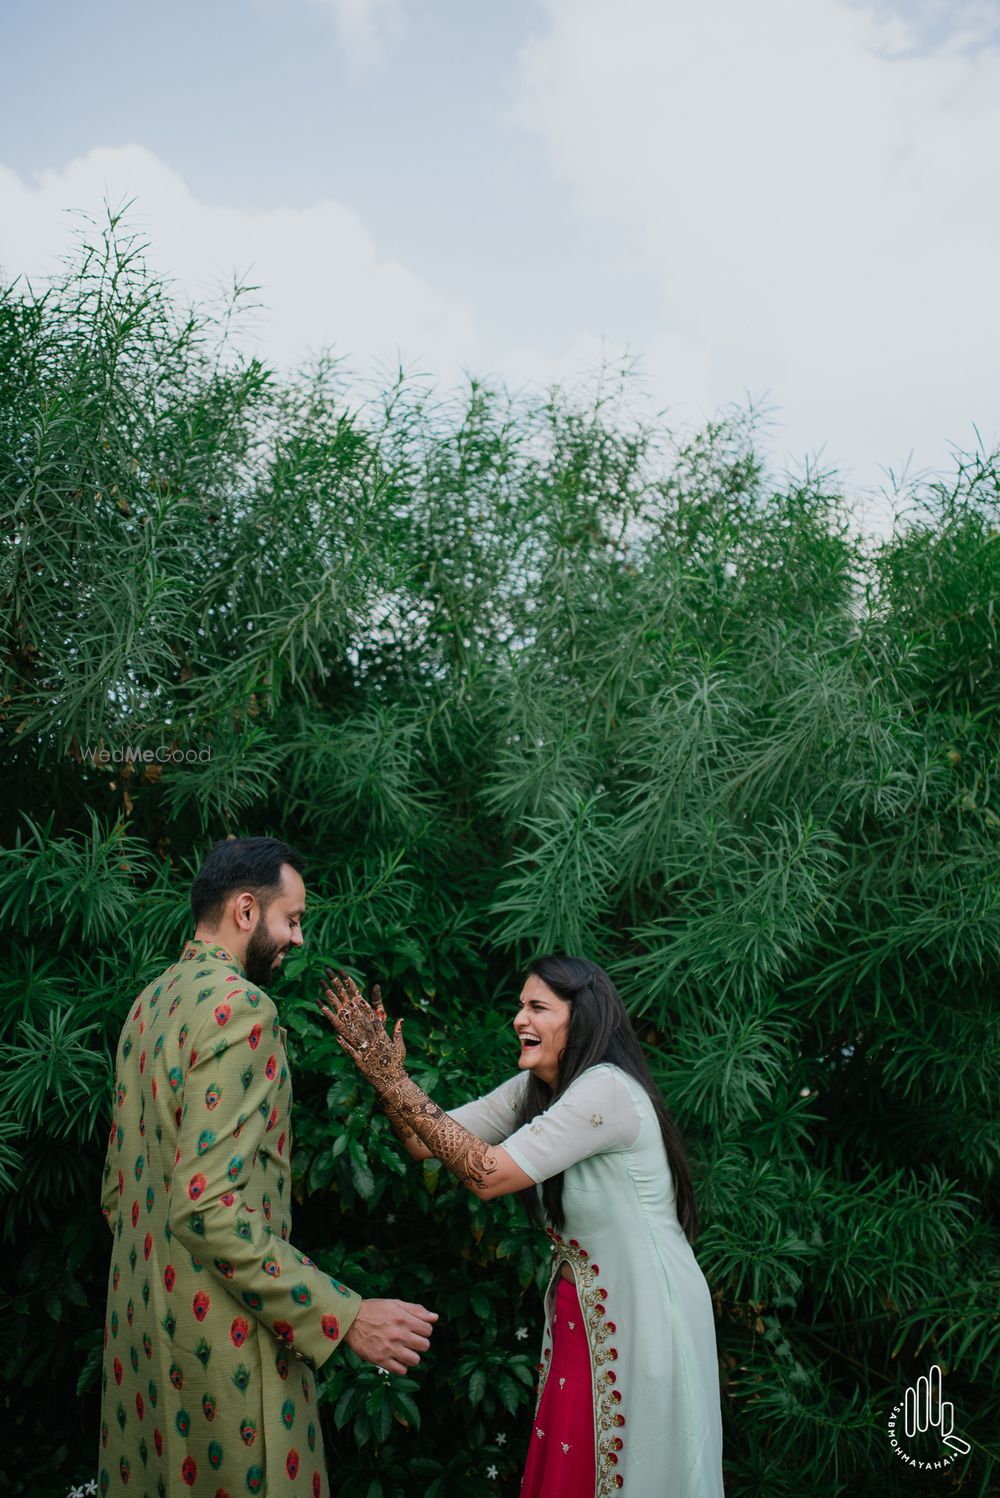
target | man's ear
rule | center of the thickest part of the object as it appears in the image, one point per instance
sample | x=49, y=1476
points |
x=243, y=908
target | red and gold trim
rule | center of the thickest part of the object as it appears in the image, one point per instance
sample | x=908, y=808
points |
x=608, y=1418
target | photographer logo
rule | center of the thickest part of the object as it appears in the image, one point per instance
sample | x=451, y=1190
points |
x=921, y=1428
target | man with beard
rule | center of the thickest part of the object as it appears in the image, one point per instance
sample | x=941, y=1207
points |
x=215, y=1322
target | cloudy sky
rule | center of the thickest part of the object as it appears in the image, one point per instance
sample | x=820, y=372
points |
x=791, y=200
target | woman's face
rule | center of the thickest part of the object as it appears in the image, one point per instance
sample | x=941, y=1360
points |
x=541, y=1025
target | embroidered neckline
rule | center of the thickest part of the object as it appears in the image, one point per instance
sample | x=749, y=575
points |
x=608, y=1419
x=196, y=948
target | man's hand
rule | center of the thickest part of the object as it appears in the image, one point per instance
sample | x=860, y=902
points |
x=391, y=1333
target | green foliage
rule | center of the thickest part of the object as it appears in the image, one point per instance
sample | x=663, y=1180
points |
x=513, y=677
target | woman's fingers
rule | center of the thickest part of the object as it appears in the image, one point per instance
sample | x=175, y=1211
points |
x=345, y=1046
x=333, y=1015
x=333, y=989
x=339, y=988
x=341, y=994
x=337, y=1022
x=342, y=986
x=346, y=1007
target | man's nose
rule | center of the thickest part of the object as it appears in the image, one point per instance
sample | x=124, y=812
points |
x=296, y=939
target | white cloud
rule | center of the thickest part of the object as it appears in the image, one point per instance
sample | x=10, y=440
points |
x=365, y=28
x=813, y=191
x=322, y=280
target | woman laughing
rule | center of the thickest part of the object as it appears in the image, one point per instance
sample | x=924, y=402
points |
x=629, y=1386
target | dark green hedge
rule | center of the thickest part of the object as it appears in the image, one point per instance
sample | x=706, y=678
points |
x=515, y=677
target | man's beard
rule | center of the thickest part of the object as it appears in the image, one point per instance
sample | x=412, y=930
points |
x=261, y=951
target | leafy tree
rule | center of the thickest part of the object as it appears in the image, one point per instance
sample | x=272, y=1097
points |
x=515, y=676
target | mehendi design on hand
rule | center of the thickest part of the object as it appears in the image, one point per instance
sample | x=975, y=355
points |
x=361, y=1032
x=357, y=1035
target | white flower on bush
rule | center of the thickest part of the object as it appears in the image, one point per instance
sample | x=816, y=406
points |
x=500, y=1438
x=491, y=1472
x=521, y=1333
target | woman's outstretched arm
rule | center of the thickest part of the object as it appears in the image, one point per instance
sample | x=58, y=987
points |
x=486, y=1170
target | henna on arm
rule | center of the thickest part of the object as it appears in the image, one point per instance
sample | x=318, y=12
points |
x=400, y=1127
x=397, y=1122
x=361, y=1032
x=466, y=1155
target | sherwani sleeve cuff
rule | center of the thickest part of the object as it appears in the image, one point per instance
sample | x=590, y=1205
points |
x=318, y=1337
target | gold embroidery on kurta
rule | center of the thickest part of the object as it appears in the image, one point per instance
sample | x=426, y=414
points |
x=608, y=1418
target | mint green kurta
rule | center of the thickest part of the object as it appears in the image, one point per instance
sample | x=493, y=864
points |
x=646, y=1305
x=214, y=1320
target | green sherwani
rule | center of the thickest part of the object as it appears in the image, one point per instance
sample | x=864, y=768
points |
x=214, y=1320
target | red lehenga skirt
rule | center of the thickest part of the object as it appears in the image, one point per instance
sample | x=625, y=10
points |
x=560, y=1460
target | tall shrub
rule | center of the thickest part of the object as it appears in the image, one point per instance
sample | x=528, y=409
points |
x=515, y=677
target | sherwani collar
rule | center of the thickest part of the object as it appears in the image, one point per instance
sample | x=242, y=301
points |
x=196, y=948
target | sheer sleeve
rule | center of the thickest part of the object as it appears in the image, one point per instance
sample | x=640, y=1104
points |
x=594, y=1116
x=492, y=1117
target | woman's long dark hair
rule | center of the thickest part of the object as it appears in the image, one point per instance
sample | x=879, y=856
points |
x=600, y=1030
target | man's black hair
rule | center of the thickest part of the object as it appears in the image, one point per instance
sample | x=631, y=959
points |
x=236, y=864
